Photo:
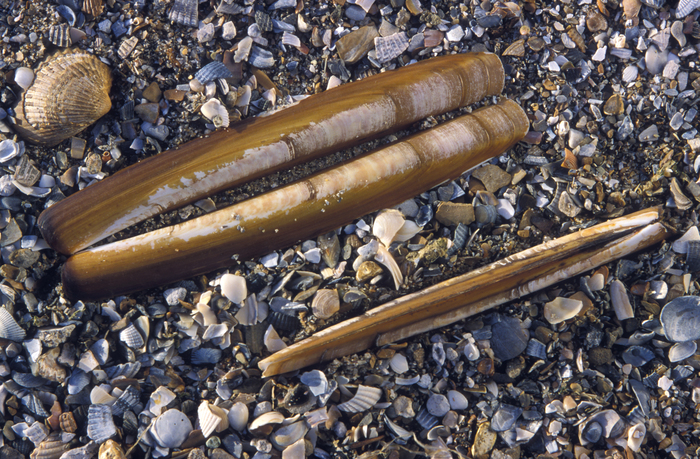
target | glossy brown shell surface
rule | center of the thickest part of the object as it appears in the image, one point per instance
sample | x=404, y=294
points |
x=69, y=93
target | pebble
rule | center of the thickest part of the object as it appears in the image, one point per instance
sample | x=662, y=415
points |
x=355, y=45
x=451, y=214
x=206, y=33
x=437, y=405
x=160, y=132
x=173, y=296
x=455, y=33
x=492, y=177
x=509, y=340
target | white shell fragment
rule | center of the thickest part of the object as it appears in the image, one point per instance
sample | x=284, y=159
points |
x=238, y=416
x=561, y=309
x=325, y=303
x=365, y=398
x=386, y=225
x=211, y=418
x=620, y=300
x=171, y=429
x=384, y=257
x=215, y=112
x=24, y=77
x=635, y=436
x=234, y=288
x=100, y=425
x=272, y=340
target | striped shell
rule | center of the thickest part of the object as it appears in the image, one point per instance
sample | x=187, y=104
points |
x=70, y=92
x=184, y=12
x=365, y=398
x=59, y=35
x=93, y=7
x=685, y=7
x=9, y=328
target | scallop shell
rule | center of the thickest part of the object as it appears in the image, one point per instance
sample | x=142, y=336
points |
x=184, y=12
x=100, y=425
x=365, y=398
x=126, y=401
x=212, y=71
x=211, y=418
x=9, y=328
x=70, y=92
x=131, y=337
x=325, y=303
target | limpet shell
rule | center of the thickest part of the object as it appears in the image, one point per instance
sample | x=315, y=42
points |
x=69, y=93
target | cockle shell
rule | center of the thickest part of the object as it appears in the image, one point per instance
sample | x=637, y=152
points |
x=325, y=303
x=69, y=93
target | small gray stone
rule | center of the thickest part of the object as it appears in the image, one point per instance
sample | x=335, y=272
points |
x=508, y=339
x=54, y=336
x=206, y=33
x=505, y=417
x=174, y=295
x=437, y=405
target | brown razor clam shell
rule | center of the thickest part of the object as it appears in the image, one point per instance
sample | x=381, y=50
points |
x=475, y=292
x=300, y=210
x=335, y=119
x=69, y=93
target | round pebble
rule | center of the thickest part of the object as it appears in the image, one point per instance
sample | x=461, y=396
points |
x=437, y=405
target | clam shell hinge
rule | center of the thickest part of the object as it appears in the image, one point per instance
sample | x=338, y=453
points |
x=70, y=92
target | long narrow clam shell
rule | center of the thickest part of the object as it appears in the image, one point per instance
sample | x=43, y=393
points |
x=327, y=122
x=302, y=209
x=455, y=299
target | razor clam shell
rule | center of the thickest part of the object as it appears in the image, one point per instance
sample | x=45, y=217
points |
x=9, y=328
x=131, y=337
x=365, y=398
x=126, y=401
x=100, y=425
x=59, y=35
x=69, y=93
x=212, y=71
x=184, y=12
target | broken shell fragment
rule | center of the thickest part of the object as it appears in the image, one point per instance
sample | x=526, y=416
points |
x=620, y=300
x=69, y=93
x=561, y=309
x=386, y=225
x=9, y=328
x=211, y=418
x=234, y=288
x=216, y=112
x=681, y=319
x=171, y=429
x=365, y=398
x=184, y=12
x=100, y=425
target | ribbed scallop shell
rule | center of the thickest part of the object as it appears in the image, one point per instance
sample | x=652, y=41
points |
x=365, y=398
x=9, y=328
x=100, y=425
x=131, y=337
x=70, y=92
x=184, y=12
